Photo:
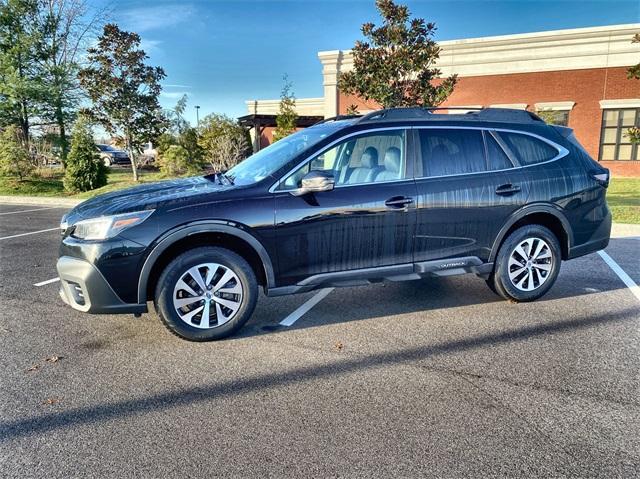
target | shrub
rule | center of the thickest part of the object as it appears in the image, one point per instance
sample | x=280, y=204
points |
x=175, y=161
x=85, y=170
x=224, y=142
x=14, y=158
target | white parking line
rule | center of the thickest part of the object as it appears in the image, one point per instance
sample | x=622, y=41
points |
x=626, y=279
x=310, y=303
x=30, y=233
x=28, y=211
x=49, y=281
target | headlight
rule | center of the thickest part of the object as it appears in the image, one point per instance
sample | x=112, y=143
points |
x=106, y=227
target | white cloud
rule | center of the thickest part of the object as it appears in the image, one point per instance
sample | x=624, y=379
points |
x=175, y=85
x=150, y=46
x=144, y=19
x=173, y=95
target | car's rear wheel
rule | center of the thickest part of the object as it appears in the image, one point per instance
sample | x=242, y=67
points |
x=527, y=264
x=107, y=161
x=206, y=293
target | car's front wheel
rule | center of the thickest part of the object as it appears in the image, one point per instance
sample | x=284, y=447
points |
x=527, y=264
x=206, y=293
x=107, y=161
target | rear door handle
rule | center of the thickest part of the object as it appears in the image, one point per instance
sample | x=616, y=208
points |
x=398, y=202
x=508, y=189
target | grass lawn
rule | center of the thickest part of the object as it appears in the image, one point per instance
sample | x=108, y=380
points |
x=623, y=195
x=624, y=200
x=51, y=185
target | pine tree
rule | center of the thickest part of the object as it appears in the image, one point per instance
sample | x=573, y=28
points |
x=287, y=117
x=85, y=170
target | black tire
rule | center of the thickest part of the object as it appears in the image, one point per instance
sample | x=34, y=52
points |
x=540, y=281
x=164, y=301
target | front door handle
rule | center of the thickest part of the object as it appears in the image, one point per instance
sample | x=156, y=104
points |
x=508, y=189
x=398, y=202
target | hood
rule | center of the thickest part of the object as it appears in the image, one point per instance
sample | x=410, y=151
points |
x=146, y=197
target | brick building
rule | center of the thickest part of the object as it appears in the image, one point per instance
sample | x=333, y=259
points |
x=577, y=75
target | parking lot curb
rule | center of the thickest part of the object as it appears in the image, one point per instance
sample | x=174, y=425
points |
x=39, y=200
x=621, y=230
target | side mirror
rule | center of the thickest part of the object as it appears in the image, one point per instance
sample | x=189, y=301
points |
x=314, y=182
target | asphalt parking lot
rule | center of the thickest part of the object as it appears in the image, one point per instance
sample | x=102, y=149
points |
x=425, y=378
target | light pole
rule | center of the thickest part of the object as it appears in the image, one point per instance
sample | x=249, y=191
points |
x=197, y=107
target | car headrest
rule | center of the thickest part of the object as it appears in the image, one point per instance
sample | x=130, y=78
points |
x=369, y=158
x=392, y=159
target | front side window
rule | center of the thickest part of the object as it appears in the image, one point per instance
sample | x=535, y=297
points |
x=527, y=149
x=368, y=158
x=269, y=160
x=451, y=152
x=615, y=143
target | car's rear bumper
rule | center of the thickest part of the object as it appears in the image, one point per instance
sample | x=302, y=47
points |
x=599, y=239
x=84, y=288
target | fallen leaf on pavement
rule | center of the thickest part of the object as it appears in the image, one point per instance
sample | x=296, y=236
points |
x=50, y=401
x=33, y=368
x=339, y=346
x=53, y=359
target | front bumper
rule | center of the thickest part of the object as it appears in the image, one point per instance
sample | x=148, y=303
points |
x=84, y=288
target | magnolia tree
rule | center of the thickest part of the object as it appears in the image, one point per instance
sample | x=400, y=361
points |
x=124, y=90
x=395, y=65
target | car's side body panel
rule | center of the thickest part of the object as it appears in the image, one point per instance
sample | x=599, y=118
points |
x=347, y=228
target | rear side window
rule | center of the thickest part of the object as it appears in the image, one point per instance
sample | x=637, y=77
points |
x=451, y=152
x=527, y=149
x=497, y=159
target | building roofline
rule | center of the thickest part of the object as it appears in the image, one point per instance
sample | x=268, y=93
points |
x=518, y=37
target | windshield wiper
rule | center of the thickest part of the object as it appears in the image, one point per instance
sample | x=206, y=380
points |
x=227, y=178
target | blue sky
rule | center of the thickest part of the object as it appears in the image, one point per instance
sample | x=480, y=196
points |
x=222, y=53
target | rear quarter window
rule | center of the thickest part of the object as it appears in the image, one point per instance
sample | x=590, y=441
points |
x=528, y=150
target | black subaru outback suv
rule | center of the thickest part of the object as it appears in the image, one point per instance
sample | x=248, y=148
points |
x=394, y=195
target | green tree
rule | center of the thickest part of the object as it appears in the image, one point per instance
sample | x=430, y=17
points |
x=176, y=161
x=177, y=122
x=124, y=90
x=181, y=133
x=395, y=65
x=67, y=27
x=223, y=141
x=14, y=160
x=85, y=170
x=287, y=117
x=22, y=82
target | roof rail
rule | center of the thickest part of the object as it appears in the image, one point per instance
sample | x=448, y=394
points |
x=338, y=118
x=481, y=114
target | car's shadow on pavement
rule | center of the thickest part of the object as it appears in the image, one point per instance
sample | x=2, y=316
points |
x=390, y=299
x=41, y=424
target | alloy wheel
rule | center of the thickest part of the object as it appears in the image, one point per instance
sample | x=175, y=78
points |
x=207, y=295
x=530, y=264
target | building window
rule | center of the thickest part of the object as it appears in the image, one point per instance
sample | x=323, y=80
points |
x=614, y=140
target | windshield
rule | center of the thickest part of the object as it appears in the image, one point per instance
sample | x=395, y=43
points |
x=268, y=161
